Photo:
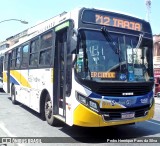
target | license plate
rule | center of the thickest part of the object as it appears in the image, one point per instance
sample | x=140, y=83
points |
x=129, y=115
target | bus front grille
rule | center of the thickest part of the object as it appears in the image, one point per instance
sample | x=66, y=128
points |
x=116, y=114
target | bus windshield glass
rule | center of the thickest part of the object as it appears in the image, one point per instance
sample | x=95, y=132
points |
x=110, y=56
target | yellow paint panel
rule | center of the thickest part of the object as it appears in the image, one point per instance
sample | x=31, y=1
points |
x=20, y=78
x=4, y=77
x=85, y=117
x=52, y=75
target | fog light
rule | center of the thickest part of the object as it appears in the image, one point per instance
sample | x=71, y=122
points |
x=151, y=101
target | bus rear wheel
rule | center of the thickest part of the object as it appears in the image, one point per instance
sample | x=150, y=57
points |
x=49, y=112
x=13, y=95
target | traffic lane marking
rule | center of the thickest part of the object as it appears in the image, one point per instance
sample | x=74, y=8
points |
x=6, y=131
x=152, y=121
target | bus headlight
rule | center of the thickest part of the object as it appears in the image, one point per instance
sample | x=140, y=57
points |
x=151, y=101
x=88, y=102
x=82, y=99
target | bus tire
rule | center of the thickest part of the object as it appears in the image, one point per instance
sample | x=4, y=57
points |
x=13, y=95
x=48, y=110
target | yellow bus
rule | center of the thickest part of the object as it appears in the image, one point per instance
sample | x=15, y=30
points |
x=88, y=67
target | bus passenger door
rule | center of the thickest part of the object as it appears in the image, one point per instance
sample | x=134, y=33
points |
x=60, y=72
x=8, y=72
x=61, y=69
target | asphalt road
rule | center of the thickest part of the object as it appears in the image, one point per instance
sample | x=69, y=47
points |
x=20, y=121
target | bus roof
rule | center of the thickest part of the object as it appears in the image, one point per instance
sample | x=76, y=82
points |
x=53, y=22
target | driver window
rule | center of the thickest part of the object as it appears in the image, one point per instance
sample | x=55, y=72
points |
x=111, y=58
x=95, y=54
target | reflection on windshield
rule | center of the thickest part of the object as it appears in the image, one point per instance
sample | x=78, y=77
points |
x=97, y=59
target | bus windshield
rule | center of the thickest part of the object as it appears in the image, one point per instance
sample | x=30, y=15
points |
x=116, y=57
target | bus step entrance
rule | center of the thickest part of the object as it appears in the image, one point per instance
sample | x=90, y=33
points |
x=59, y=117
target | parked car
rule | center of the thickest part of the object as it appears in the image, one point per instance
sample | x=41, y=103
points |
x=1, y=83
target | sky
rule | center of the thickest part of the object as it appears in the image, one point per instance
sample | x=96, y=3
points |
x=36, y=11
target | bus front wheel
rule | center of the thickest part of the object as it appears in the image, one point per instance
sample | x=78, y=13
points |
x=49, y=112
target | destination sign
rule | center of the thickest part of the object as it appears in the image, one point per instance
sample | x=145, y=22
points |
x=103, y=75
x=112, y=19
x=117, y=22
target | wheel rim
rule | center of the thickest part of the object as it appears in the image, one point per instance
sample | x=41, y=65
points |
x=48, y=109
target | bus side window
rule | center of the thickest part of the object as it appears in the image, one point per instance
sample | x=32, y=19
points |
x=48, y=56
x=18, y=57
x=42, y=58
x=13, y=58
x=25, y=56
x=5, y=61
x=33, y=59
x=45, y=49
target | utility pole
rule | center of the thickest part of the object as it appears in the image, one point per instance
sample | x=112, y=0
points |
x=148, y=9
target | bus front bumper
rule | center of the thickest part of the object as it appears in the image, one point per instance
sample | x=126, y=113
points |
x=85, y=117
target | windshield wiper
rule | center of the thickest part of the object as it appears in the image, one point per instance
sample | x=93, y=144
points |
x=140, y=40
x=110, y=40
x=116, y=48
